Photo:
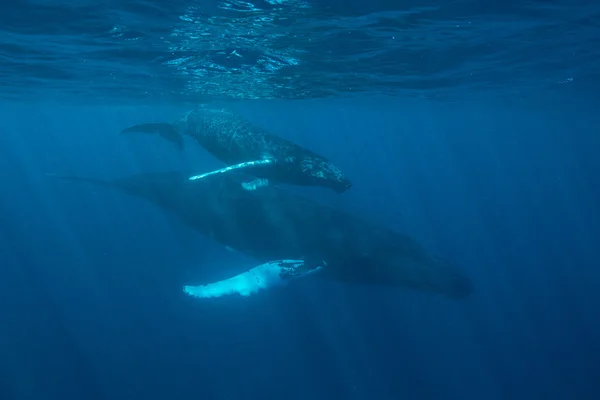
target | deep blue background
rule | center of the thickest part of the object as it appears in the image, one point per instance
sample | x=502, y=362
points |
x=91, y=305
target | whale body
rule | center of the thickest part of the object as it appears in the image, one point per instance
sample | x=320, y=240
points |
x=271, y=223
x=241, y=144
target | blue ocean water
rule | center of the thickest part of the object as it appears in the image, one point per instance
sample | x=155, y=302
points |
x=472, y=127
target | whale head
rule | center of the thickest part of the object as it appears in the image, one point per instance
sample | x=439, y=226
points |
x=320, y=172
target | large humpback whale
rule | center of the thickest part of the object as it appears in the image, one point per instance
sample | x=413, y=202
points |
x=242, y=145
x=291, y=236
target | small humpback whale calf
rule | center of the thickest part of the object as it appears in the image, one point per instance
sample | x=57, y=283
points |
x=242, y=145
x=290, y=236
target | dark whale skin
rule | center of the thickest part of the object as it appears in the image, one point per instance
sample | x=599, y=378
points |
x=234, y=140
x=272, y=223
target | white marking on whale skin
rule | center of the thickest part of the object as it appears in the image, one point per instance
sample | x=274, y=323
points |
x=247, y=164
x=265, y=276
x=255, y=184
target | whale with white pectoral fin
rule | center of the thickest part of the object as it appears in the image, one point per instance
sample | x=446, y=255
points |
x=290, y=237
x=243, y=146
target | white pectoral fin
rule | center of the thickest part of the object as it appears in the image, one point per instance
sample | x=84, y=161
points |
x=264, y=276
x=244, y=165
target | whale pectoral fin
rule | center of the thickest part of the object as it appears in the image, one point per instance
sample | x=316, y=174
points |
x=163, y=129
x=265, y=276
x=231, y=168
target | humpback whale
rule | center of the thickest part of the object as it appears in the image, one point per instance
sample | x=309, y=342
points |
x=244, y=146
x=291, y=236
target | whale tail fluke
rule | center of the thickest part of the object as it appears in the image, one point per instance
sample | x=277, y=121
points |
x=163, y=129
